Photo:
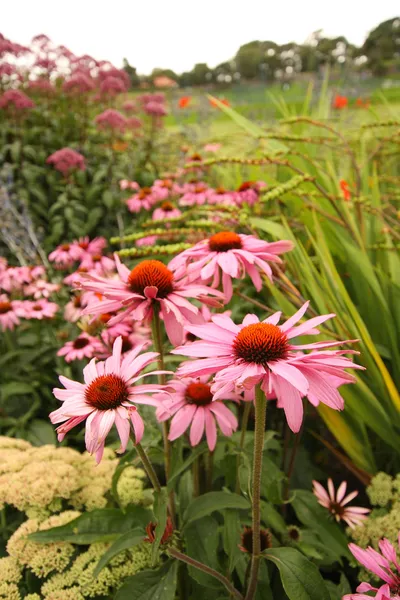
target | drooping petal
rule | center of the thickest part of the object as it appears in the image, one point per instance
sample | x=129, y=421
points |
x=197, y=428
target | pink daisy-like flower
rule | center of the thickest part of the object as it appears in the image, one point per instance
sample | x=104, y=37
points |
x=143, y=199
x=40, y=288
x=193, y=404
x=383, y=564
x=167, y=210
x=147, y=285
x=163, y=188
x=125, y=184
x=196, y=196
x=336, y=502
x=221, y=196
x=8, y=313
x=83, y=246
x=85, y=346
x=252, y=353
x=64, y=255
x=99, y=263
x=231, y=254
x=248, y=192
x=107, y=397
x=73, y=309
x=40, y=309
x=149, y=240
x=14, y=278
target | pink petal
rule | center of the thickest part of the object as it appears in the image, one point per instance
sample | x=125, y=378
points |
x=290, y=400
x=123, y=428
x=197, y=428
x=211, y=430
x=138, y=425
x=341, y=491
x=295, y=318
x=181, y=421
x=293, y=375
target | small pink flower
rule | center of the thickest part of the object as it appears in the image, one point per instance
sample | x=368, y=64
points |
x=40, y=309
x=150, y=284
x=64, y=255
x=78, y=83
x=248, y=192
x=197, y=196
x=41, y=288
x=149, y=240
x=14, y=278
x=8, y=313
x=98, y=263
x=212, y=147
x=336, y=502
x=73, y=309
x=166, y=211
x=16, y=100
x=163, y=188
x=221, y=196
x=84, y=346
x=129, y=106
x=107, y=397
x=66, y=161
x=231, y=255
x=380, y=564
x=112, y=86
x=133, y=123
x=83, y=246
x=143, y=199
x=111, y=120
x=252, y=353
x=193, y=404
x=155, y=109
x=125, y=184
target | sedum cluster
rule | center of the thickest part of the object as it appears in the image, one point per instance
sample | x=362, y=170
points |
x=40, y=481
x=384, y=519
x=65, y=571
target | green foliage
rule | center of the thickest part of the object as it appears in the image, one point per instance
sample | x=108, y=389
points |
x=151, y=585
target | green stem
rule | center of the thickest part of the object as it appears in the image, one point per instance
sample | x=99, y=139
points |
x=148, y=467
x=196, y=477
x=209, y=460
x=158, y=346
x=259, y=433
x=245, y=420
x=202, y=567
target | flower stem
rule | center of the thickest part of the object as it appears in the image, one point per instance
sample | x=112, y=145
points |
x=196, y=477
x=209, y=464
x=158, y=346
x=148, y=467
x=245, y=420
x=202, y=567
x=259, y=433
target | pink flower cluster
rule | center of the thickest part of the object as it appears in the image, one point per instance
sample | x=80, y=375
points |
x=111, y=120
x=16, y=100
x=66, y=161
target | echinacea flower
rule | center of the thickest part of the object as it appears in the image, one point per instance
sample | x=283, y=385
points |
x=192, y=404
x=98, y=262
x=73, y=309
x=108, y=396
x=143, y=199
x=220, y=196
x=39, y=309
x=252, y=353
x=84, y=346
x=196, y=196
x=84, y=245
x=64, y=255
x=166, y=536
x=248, y=192
x=8, y=313
x=232, y=255
x=147, y=286
x=166, y=210
x=336, y=503
x=40, y=288
x=246, y=540
x=383, y=564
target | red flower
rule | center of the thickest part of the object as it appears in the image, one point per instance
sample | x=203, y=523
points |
x=150, y=530
x=184, y=101
x=360, y=103
x=344, y=186
x=340, y=102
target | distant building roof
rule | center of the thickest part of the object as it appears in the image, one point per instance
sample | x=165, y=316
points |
x=164, y=82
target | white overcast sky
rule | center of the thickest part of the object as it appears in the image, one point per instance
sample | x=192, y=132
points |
x=178, y=33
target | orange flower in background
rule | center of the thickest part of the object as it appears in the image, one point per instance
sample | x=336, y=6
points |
x=184, y=101
x=120, y=146
x=360, y=103
x=222, y=100
x=340, y=102
x=344, y=186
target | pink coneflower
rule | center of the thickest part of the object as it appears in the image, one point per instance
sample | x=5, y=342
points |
x=40, y=288
x=125, y=184
x=336, y=502
x=108, y=396
x=192, y=404
x=75, y=278
x=14, y=278
x=40, y=309
x=166, y=210
x=99, y=263
x=111, y=120
x=382, y=565
x=148, y=285
x=149, y=240
x=83, y=246
x=85, y=346
x=163, y=188
x=232, y=255
x=248, y=192
x=73, y=309
x=8, y=313
x=262, y=353
x=221, y=196
x=66, y=161
x=64, y=255
x=197, y=196
x=143, y=199
x=212, y=147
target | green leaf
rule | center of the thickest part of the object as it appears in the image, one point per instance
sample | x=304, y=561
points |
x=314, y=516
x=272, y=518
x=40, y=433
x=151, y=585
x=126, y=541
x=99, y=525
x=201, y=539
x=208, y=503
x=186, y=463
x=301, y=579
x=15, y=388
x=231, y=537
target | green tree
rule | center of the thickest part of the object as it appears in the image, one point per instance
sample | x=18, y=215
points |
x=131, y=71
x=382, y=46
